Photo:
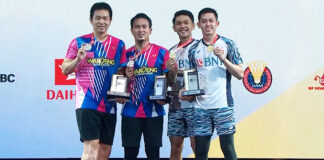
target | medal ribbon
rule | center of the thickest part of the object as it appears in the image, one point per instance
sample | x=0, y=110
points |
x=137, y=54
x=214, y=40
x=182, y=45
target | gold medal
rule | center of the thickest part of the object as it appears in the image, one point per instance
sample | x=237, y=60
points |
x=172, y=55
x=210, y=48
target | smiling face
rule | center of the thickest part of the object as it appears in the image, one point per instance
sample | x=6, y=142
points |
x=183, y=26
x=208, y=24
x=141, y=29
x=100, y=21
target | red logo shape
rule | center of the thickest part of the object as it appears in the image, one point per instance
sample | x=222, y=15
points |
x=263, y=86
x=320, y=79
x=60, y=78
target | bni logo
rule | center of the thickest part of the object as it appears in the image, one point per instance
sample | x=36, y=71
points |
x=257, y=77
x=60, y=78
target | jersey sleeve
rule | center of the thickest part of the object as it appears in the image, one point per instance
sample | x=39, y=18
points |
x=166, y=58
x=233, y=54
x=123, y=60
x=191, y=55
x=72, y=50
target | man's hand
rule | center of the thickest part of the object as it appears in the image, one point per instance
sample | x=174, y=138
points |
x=129, y=72
x=219, y=52
x=82, y=53
x=185, y=98
x=171, y=64
x=121, y=100
x=161, y=102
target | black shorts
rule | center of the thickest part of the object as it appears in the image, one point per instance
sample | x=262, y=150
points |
x=93, y=125
x=132, y=129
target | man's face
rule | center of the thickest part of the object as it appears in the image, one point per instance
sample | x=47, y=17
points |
x=141, y=29
x=208, y=24
x=183, y=26
x=100, y=21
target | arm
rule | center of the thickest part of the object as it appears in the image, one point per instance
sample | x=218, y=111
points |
x=74, y=57
x=235, y=69
x=172, y=67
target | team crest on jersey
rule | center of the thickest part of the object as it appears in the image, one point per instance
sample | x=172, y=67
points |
x=257, y=77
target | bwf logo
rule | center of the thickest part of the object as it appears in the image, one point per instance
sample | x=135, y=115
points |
x=60, y=78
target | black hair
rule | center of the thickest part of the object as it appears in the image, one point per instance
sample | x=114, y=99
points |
x=141, y=15
x=99, y=6
x=183, y=12
x=207, y=10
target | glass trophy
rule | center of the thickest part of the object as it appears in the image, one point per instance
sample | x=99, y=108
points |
x=191, y=83
x=118, y=87
x=159, y=89
x=178, y=84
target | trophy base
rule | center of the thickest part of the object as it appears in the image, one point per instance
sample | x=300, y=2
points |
x=160, y=98
x=173, y=93
x=193, y=93
x=113, y=95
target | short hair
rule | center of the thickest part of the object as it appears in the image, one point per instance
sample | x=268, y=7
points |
x=183, y=12
x=99, y=6
x=141, y=15
x=207, y=10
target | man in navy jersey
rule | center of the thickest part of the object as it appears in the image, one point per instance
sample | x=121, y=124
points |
x=180, y=118
x=140, y=115
x=216, y=59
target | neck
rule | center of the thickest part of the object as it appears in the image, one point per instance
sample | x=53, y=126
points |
x=209, y=38
x=184, y=39
x=101, y=36
x=141, y=44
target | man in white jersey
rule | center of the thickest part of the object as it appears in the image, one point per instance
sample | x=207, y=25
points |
x=180, y=119
x=216, y=59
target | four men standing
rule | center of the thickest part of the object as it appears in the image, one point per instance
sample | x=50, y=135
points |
x=95, y=57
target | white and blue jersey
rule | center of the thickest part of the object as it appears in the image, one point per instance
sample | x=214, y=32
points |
x=183, y=63
x=214, y=78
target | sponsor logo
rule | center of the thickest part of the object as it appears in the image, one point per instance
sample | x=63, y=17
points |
x=320, y=81
x=101, y=61
x=145, y=70
x=60, y=78
x=9, y=78
x=257, y=77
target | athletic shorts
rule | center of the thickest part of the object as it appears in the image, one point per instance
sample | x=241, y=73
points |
x=181, y=122
x=133, y=128
x=221, y=119
x=96, y=125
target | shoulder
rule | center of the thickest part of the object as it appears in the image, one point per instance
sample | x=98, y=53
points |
x=194, y=45
x=84, y=36
x=227, y=41
x=159, y=48
x=116, y=40
x=130, y=49
x=173, y=47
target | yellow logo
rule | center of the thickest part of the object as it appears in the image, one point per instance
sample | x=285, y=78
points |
x=145, y=70
x=257, y=68
x=101, y=61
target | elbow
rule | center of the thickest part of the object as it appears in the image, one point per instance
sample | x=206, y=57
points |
x=65, y=71
x=240, y=75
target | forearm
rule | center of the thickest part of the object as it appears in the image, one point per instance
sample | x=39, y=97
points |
x=170, y=76
x=69, y=66
x=235, y=70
